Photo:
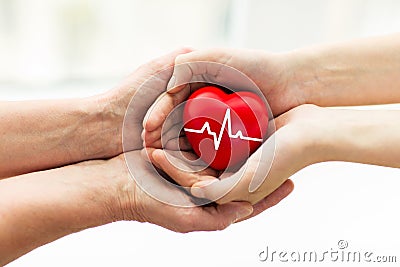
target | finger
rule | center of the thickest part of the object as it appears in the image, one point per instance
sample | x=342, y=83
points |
x=281, y=166
x=174, y=117
x=181, y=143
x=172, y=132
x=162, y=68
x=255, y=172
x=191, y=161
x=168, y=60
x=188, y=157
x=155, y=144
x=260, y=164
x=217, y=55
x=150, y=110
x=183, y=73
x=175, y=144
x=218, y=217
x=154, y=138
x=167, y=103
x=215, y=190
x=146, y=154
x=196, y=63
x=182, y=170
x=236, y=187
x=163, y=107
x=150, y=137
x=231, y=186
x=175, y=107
x=271, y=200
x=182, y=164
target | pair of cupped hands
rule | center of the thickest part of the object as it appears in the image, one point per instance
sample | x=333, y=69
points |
x=233, y=196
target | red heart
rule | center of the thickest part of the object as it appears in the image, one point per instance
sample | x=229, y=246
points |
x=206, y=125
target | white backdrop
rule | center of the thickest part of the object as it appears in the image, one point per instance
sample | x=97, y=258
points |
x=68, y=48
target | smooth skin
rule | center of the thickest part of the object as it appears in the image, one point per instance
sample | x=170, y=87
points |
x=305, y=135
x=359, y=72
x=81, y=178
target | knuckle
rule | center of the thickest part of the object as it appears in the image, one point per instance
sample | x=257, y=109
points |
x=221, y=225
x=183, y=230
x=180, y=59
x=188, y=223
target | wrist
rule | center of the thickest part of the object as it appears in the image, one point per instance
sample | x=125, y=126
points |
x=109, y=188
x=106, y=119
x=122, y=194
x=304, y=74
x=94, y=189
x=349, y=135
x=284, y=80
x=363, y=136
x=313, y=129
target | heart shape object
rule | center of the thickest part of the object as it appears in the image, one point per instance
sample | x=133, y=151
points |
x=224, y=129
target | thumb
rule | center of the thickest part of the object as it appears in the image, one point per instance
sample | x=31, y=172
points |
x=206, y=64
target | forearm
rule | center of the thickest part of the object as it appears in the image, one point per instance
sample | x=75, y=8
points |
x=37, y=135
x=38, y=208
x=370, y=137
x=360, y=72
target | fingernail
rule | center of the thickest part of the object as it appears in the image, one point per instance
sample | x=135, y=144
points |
x=143, y=134
x=197, y=192
x=198, y=188
x=145, y=155
x=157, y=153
x=171, y=83
x=145, y=121
x=243, y=212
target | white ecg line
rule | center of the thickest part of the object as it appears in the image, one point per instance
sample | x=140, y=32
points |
x=226, y=121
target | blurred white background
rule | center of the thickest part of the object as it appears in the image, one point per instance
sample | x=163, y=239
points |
x=72, y=48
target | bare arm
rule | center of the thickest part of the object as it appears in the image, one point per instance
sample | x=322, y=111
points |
x=37, y=135
x=360, y=72
x=363, y=136
x=305, y=135
x=38, y=208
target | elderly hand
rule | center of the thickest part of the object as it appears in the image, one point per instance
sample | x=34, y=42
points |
x=148, y=197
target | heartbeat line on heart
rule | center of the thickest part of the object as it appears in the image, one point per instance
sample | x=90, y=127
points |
x=226, y=122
